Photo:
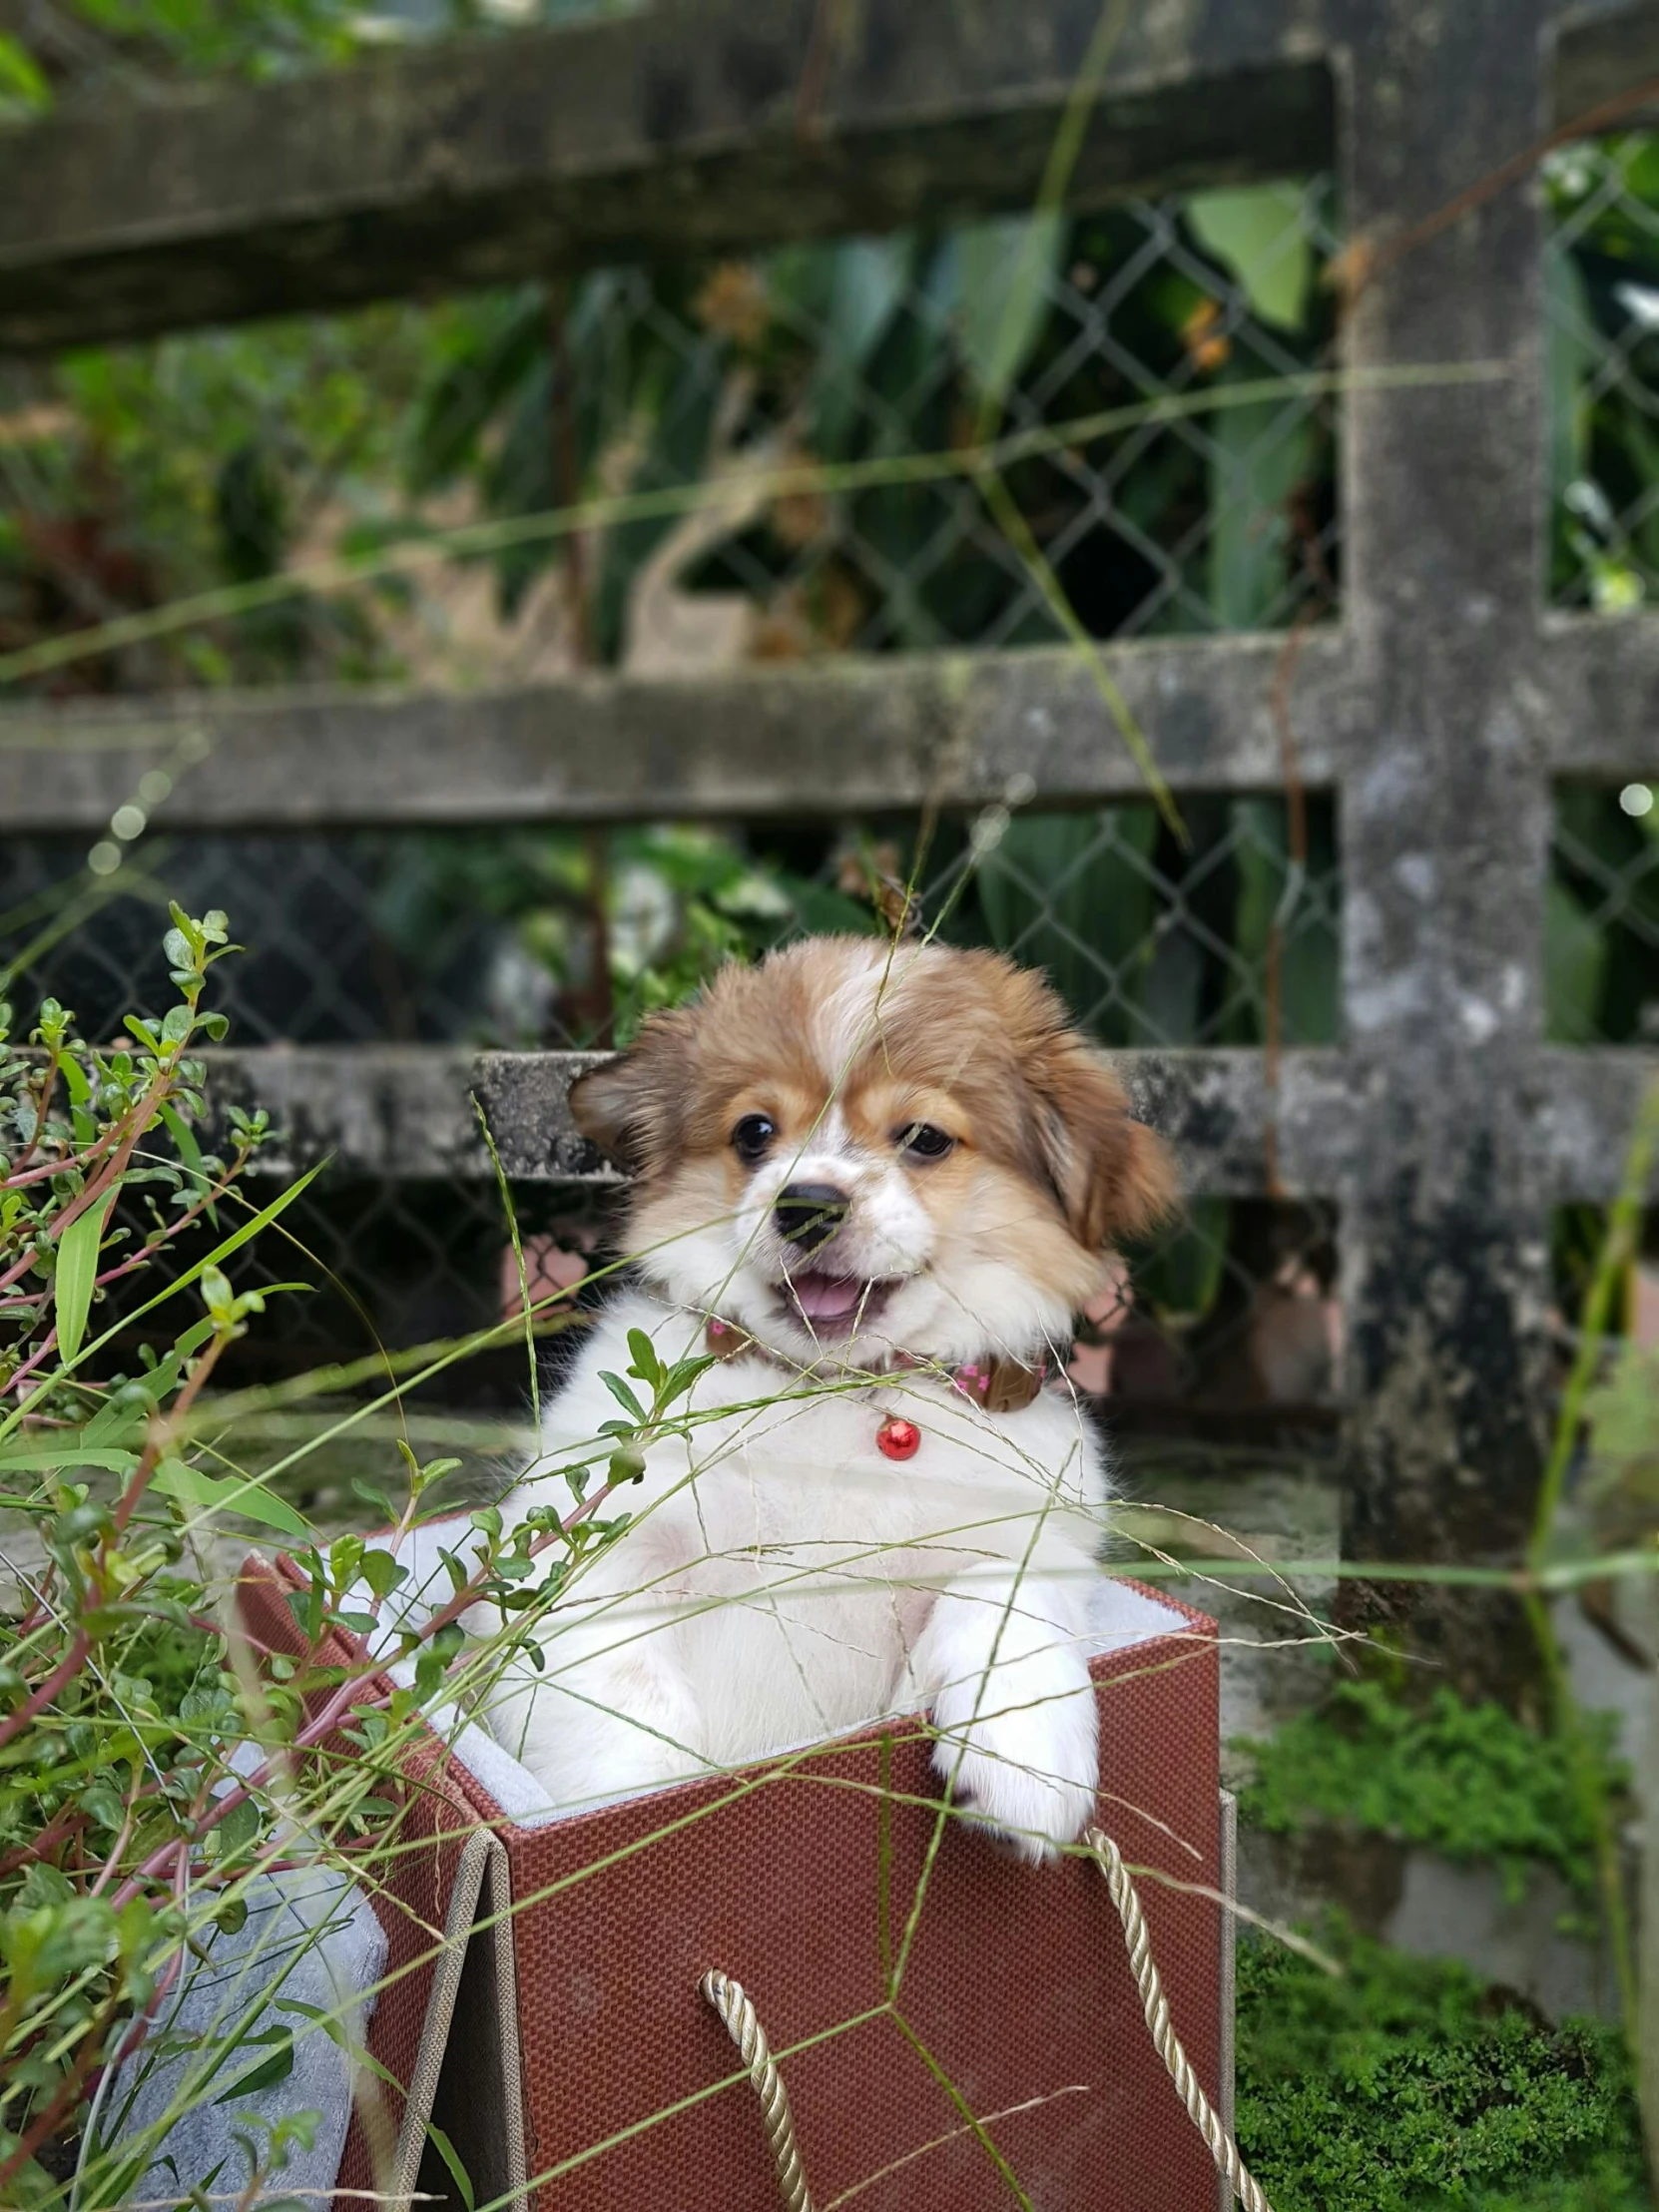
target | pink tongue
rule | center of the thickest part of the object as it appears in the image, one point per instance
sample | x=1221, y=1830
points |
x=825, y=1296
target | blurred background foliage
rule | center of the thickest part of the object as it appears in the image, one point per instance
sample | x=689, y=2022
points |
x=133, y=478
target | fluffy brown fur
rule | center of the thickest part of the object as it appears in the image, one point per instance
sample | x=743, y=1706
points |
x=963, y=1040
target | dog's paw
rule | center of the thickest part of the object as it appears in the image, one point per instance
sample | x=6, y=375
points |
x=1028, y=1776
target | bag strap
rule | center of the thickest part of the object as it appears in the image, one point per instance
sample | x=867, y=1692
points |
x=742, y=2023
x=1161, y=2028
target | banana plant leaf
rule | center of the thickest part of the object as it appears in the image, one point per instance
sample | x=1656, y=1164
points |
x=1575, y=968
x=1007, y=266
x=1258, y=457
x=868, y=284
x=1063, y=893
x=1259, y=235
x=1310, y=979
x=1179, y=1277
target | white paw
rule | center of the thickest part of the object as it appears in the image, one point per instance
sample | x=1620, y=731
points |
x=1027, y=1771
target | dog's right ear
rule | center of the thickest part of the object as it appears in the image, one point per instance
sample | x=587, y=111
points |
x=634, y=1106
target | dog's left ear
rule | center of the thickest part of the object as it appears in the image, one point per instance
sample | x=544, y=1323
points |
x=1114, y=1177
x=633, y=1107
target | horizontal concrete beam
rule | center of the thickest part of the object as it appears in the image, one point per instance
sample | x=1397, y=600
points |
x=695, y=125
x=1600, y=677
x=1583, y=1104
x=406, y=1112
x=846, y=736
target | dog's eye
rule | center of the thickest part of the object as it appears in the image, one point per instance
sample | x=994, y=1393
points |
x=751, y=1136
x=923, y=1142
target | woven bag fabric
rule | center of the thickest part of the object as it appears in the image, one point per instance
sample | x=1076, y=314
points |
x=957, y=2028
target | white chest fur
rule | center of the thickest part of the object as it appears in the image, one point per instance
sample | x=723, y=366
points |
x=784, y=1580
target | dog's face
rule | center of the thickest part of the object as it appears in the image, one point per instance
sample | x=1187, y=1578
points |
x=867, y=1150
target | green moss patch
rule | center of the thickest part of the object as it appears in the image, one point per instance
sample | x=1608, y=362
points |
x=1406, y=2085
x=1470, y=1780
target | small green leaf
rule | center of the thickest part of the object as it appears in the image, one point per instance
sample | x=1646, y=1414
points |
x=269, y=2071
x=190, y=1154
x=682, y=1376
x=79, y=1086
x=624, y=1396
x=76, y=1274
x=101, y=1801
x=382, y=1572
x=646, y=1364
x=208, y=1494
x=372, y=1495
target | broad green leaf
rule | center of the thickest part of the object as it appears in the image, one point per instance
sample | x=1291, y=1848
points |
x=68, y=1451
x=1006, y=267
x=1258, y=457
x=1184, y=1273
x=175, y=1478
x=1574, y=349
x=498, y=350
x=1171, y=990
x=1575, y=965
x=269, y=2071
x=1260, y=234
x=869, y=282
x=1310, y=982
x=21, y=82
x=77, y=1272
x=1070, y=893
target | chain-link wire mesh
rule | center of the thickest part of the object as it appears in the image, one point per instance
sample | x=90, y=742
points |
x=759, y=422
x=770, y=459
x=1601, y=291
x=1601, y=922
x=564, y=939
x=1602, y=310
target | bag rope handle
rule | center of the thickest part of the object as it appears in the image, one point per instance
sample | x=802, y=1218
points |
x=1161, y=2028
x=742, y=2023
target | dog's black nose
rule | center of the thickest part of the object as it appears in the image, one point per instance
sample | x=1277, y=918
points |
x=809, y=1213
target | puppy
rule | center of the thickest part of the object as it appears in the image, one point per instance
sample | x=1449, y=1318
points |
x=876, y=1183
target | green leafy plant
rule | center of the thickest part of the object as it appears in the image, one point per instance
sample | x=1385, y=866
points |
x=1470, y=1780
x=149, y=1773
x=1406, y=2085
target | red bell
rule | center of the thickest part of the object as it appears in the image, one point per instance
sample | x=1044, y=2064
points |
x=898, y=1439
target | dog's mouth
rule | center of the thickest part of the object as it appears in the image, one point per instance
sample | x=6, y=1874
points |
x=834, y=1305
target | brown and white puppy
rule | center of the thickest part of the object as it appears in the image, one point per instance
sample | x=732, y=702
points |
x=881, y=1170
